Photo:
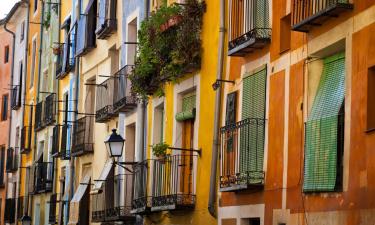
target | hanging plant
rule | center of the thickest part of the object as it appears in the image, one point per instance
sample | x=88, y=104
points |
x=47, y=20
x=160, y=149
x=169, y=47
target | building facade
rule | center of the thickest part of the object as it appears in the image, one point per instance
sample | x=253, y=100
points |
x=299, y=77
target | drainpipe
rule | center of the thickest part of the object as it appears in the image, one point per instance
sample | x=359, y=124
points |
x=11, y=82
x=215, y=144
x=147, y=8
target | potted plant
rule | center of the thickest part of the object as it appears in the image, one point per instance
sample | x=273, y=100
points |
x=160, y=150
x=56, y=49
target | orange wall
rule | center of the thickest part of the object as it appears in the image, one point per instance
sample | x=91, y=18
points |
x=5, y=70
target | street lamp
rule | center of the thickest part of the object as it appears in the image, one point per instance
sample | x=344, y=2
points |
x=114, y=144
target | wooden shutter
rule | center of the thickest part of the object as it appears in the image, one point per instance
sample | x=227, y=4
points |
x=231, y=112
x=323, y=127
x=252, y=134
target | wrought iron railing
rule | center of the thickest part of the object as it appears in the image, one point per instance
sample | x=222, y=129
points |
x=12, y=160
x=25, y=139
x=124, y=99
x=52, y=209
x=83, y=136
x=66, y=60
x=15, y=97
x=107, y=22
x=173, y=184
x=117, y=206
x=249, y=26
x=43, y=177
x=10, y=210
x=242, y=153
x=104, y=101
x=55, y=141
x=64, y=153
x=309, y=13
x=141, y=200
x=49, y=110
x=39, y=116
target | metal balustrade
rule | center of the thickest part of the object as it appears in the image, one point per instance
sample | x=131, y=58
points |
x=104, y=101
x=15, y=97
x=39, y=116
x=43, y=177
x=242, y=154
x=12, y=160
x=26, y=139
x=141, y=201
x=124, y=99
x=107, y=22
x=309, y=13
x=49, y=116
x=83, y=136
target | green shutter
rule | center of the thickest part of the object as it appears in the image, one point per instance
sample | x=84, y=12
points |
x=261, y=14
x=322, y=127
x=252, y=131
x=188, y=108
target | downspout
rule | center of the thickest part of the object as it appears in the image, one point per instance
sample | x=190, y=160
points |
x=215, y=144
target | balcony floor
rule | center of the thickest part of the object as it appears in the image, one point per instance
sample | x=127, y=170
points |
x=255, y=39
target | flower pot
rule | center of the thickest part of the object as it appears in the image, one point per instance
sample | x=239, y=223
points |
x=56, y=50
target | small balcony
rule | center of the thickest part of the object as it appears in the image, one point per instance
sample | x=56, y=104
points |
x=52, y=219
x=65, y=59
x=249, y=26
x=43, y=177
x=173, y=186
x=83, y=136
x=39, y=116
x=308, y=14
x=12, y=160
x=86, y=25
x=10, y=210
x=26, y=140
x=124, y=99
x=107, y=22
x=104, y=101
x=141, y=201
x=242, y=153
x=109, y=206
x=15, y=97
x=49, y=116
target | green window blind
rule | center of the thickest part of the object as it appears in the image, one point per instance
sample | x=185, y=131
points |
x=323, y=128
x=252, y=129
x=188, y=108
x=261, y=13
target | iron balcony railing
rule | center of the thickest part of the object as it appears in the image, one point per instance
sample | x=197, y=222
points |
x=242, y=153
x=49, y=110
x=104, y=101
x=12, y=160
x=39, y=116
x=249, y=26
x=83, y=136
x=124, y=99
x=173, y=183
x=65, y=59
x=15, y=97
x=43, y=177
x=64, y=153
x=107, y=22
x=26, y=139
x=114, y=203
x=55, y=141
x=52, y=209
x=309, y=13
x=141, y=200
x=10, y=210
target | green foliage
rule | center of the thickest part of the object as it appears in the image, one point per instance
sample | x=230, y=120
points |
x=47, y=20
x=169, y=47
x=160, y=149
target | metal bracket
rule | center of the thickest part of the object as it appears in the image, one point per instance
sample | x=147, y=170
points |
x=218, y=82
x=199, y=151
x=103, y=85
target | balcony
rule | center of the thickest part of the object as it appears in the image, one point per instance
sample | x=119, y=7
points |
x=141, y=201
x=25, y=139
x=124, y=99
x=65, y=59
x=15, y=97
x=10, y=210
x=49, y=110
x=242, y=150
x=109, y=206
x=86, y=39
x=59, y=143
x=312, y=13
x=55, y=141
x=104, y=101
x=12, y=160
x=107, y=22
x=173, y=186
x=43, y=177
x=83, y=135
x=249, y=26
x=52, y=209
x=39, y=116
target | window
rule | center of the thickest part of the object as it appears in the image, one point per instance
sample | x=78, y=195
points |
x=35, y=5
x=371, y=99
x=20, y=83
x=6, y=54
x=4, y=107
x=132, y=37
x=22, y=36
x=2, y=164
x=66, y=107
x=33, y=61
x=324, y=136
x=285, y=33
x=254, y=221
